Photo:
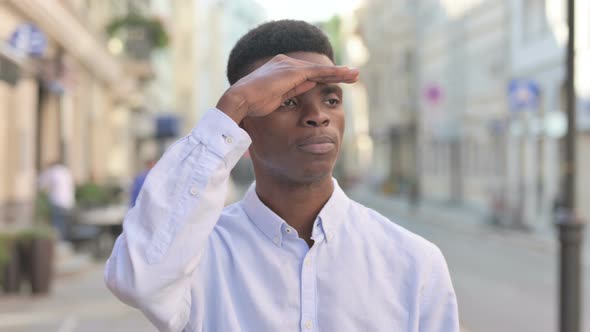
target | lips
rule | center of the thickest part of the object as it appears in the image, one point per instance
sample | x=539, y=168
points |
x=317, y=144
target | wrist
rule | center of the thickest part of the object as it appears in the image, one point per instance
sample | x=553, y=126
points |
x=233, y=106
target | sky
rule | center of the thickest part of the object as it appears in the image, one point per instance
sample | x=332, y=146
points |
x=307, y=10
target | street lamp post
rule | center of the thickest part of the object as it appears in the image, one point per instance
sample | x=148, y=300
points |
x=569, y=225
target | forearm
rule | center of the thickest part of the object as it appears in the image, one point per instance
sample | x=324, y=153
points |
x=233, y=105
x=166, y=233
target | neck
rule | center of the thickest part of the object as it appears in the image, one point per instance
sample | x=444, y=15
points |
x=297, y=203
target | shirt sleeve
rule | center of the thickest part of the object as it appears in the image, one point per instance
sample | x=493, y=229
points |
x=438, y=307
x=165, y=233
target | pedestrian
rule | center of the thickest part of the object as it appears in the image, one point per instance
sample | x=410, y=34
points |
x=295, y=254
x=139, y=180
x=58, y=182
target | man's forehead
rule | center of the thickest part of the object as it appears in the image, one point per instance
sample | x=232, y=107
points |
x=330, y=88
x=312, y=57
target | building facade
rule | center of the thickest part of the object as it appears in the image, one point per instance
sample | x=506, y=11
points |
x=204, y=33
x=487, y=101
x=391, y=76
x=64, y=98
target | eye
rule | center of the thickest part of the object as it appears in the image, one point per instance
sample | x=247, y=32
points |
x=289, y=103
x=332, y=101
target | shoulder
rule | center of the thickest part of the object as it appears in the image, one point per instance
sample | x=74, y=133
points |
x=233, y=231
x=233, y=219
x=231, y=211
x=387, y=233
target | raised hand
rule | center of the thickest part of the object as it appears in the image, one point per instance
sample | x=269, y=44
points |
x=262, y=91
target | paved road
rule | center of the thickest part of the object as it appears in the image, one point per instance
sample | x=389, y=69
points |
x=80, y=303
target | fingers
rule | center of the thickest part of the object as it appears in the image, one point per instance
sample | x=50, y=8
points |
x=352, y=78
x=335, y=75
x=300, y=89
x=330, y=73
x=319, y=72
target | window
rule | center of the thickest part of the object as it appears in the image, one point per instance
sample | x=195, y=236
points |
x=534, y=19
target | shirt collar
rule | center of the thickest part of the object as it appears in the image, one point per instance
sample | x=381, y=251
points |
x=330, y=217
x=334, y=212
x=264, y=218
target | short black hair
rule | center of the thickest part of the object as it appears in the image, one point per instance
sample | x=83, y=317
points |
x=272, y=38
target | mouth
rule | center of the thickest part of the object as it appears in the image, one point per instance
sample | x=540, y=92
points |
x=317, y=144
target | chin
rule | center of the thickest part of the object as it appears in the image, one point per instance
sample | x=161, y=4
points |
x=311, y=176
x=297, y=172
x=313, y=171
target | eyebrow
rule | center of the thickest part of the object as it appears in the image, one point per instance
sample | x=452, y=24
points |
x=328, y=89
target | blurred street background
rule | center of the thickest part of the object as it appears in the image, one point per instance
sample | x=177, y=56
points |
x=455, y=131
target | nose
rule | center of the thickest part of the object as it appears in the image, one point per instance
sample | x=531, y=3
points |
x=315, y=116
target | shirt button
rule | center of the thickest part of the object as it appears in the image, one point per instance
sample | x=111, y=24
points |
x=194, y=191
x=288, y=230
x=330, y=235
x=307, y=262
x=229, y=139
x=309, y=325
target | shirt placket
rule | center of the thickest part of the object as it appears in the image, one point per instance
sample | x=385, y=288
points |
x=309, y=298
x=308, y=293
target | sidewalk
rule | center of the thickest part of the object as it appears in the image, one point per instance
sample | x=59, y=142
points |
x=78, y=302
x=461, y=219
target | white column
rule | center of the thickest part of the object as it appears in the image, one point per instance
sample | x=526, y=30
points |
x=22, y=176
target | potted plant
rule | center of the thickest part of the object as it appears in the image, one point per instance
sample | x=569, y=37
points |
x=99, y=212
x=10, y=271
x=37, y=248
x=92, y=195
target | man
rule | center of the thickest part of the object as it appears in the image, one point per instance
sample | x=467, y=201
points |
x=58, y=182
x=295, y=254
x=138, y=182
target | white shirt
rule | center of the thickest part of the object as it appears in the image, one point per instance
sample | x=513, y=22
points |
x=59, y=183
x=189, y=264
